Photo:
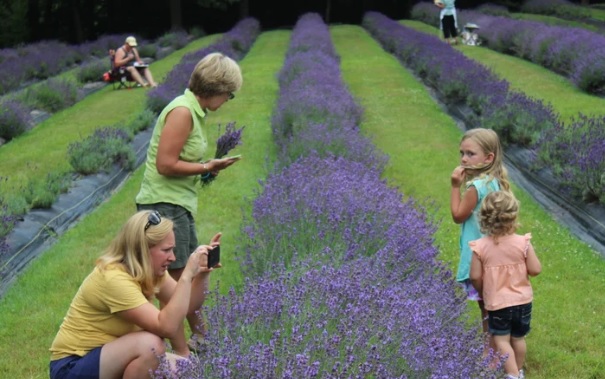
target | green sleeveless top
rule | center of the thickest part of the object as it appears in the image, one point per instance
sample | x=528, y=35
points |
x=178, y=190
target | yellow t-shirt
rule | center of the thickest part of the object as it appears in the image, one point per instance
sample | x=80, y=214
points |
x=91, y=320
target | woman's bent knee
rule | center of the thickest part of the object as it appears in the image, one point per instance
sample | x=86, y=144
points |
x=150, y=342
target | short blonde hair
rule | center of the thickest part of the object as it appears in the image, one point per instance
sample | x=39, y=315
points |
x=130, y=249
x=498, y=214
x=215, y=74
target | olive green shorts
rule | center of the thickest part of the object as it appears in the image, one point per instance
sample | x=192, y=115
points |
x=184, y=230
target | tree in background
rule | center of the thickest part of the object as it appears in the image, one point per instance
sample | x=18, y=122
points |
x=13, y=29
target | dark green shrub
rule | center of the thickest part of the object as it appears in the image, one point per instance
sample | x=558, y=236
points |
x=148, y=50
x=144, y=119
x=176, y=40
x=93, y=71
x=41, y=193
x=197, y=32
x=12, y=206
x=52, y=95
x=100, y=151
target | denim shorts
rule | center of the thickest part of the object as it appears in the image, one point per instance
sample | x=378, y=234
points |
x=76, y=367
x=513, y=320
x=184, y=230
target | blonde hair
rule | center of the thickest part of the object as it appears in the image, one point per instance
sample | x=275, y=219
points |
x=489, y=143
x=215, y=74
x=130, y=249
x=498, y=214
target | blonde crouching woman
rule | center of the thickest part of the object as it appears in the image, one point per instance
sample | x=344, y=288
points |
x=112, y=328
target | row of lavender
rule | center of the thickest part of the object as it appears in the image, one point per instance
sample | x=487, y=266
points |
x=577, y=161
x=576, y=53
x=234, y=44
x=558, y=8
x=342, y=276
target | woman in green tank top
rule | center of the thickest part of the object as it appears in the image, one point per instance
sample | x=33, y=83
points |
x=177, y=155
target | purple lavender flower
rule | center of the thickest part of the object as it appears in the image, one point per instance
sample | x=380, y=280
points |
x=230, y=139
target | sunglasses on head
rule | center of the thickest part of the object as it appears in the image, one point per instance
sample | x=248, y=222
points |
x=153, y=219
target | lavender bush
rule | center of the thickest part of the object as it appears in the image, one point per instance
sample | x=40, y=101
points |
x=315, y=113
x=332, y=208
x=8, y=218
x=15, y=119
x=41, y=192
x=100, y=151
x=388, y=316
x=52, y=95
x=576, y=154
x=92, y=71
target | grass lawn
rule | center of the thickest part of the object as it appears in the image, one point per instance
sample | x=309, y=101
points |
x=568, y=338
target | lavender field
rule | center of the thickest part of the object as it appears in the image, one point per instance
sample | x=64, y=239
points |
x=341, y=247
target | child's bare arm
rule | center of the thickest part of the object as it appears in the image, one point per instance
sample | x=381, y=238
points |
x=476, y=273
x=532, y=262
x=463, y=207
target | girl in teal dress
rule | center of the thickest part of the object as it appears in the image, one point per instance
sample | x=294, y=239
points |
x=480, y=172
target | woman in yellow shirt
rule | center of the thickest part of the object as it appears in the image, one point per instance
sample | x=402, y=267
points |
x=112, y=329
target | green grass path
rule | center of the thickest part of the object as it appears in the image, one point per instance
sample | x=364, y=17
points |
x=524, y=76
x=32, y=309
x=568, y=338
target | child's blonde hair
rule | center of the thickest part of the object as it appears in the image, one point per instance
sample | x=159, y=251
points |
x=489, y=143
x=498, y=214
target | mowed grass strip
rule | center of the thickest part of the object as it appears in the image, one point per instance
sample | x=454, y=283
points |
x=35, y=305
x=44, y=148
x=529, y=78
x=402, y=119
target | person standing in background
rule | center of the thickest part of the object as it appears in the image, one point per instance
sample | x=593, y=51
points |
x=448, y=20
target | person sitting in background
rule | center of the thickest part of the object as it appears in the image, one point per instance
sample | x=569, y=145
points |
x=128, y=56
x=112, y=328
